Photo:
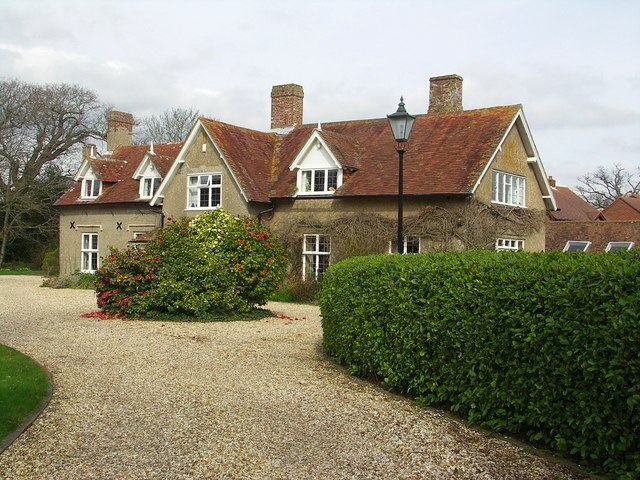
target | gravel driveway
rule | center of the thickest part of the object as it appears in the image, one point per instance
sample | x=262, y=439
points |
x=252, y=400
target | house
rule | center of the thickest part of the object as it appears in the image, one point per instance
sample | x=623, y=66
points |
x=108, y=206
x=577, y=226
x=570, y=206
x=472, y=179
x=623, y=208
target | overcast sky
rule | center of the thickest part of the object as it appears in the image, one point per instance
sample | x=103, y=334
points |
x=574, y=65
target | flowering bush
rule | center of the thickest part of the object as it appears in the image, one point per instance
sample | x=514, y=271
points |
x=209, y=264
x=125, y=280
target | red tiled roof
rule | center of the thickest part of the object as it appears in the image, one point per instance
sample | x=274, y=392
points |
x=446, y=153
x=249, y=154
x=624, y=208
x=571, y=206
x=116, y=172
x=557, y=234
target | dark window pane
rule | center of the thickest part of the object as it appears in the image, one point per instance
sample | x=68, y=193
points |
x=204, y=197
x=332, y=179
x=318, y=180
x=216, y=200
x=325, y=244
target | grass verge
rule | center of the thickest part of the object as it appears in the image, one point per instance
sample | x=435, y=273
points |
x=23, y=386
x=21, y=271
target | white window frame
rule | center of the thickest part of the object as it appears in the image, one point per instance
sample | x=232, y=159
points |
x=87, y=253
x=610, y=245
x=153, y=189
x=509, y=244
x=508, y=189
x=211, y=187
x=315, y=255
x=406, y=240
x=585, y=245
x=93, y=182
x=326, y=190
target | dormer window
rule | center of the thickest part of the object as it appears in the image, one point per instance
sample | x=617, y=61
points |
x=323, y=180
x=149, y=186
x=91, y=188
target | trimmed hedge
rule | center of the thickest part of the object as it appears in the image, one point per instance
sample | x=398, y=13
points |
x=540, y=345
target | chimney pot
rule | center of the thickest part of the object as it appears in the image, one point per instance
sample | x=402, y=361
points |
x=445, y=94
x=119, y=129
x=286, y=106
x=552, y=181
x=88, y=151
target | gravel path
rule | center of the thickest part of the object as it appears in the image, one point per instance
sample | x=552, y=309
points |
x=222, y=400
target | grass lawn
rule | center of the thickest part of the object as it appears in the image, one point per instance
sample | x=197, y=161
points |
x=21, y=271
x=23, y=385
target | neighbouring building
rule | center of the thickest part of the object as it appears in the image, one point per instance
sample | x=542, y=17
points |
x=576, y=226
x=623, y=208
x=472, y=179
x=570, y=206
x=108, y=206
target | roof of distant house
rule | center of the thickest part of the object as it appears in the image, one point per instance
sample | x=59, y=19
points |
x=571, y=206
x=623, y=208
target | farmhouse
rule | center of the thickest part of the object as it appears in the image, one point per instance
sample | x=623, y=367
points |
x=473, y=179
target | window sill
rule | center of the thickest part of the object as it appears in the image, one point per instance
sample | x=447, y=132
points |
x=201, y=209
x=508, y=204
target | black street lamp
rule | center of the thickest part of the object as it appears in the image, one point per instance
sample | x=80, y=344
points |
x=401, y=123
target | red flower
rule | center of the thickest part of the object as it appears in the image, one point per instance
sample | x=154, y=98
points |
x=240, y=242
x=265, y=272
x=269, y=260
x=239, y=267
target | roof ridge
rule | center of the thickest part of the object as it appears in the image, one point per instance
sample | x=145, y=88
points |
x=209, y=120
x=626, y=200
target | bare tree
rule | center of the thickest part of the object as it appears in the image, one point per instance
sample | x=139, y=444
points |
x=605, y=185
x=172, y=125
x=40, y=125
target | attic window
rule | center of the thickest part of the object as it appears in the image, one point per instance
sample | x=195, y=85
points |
x=576, y=246
x=149, y=186
x=91, y=188
x=319, y=181
x=618, y=247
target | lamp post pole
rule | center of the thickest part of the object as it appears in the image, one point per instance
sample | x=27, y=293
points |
x=401, y=123
x=400, y=196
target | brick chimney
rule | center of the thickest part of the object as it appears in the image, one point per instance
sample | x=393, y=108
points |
x=119, y=129
x=552, y=181
x=286, y=106
x=445, y=94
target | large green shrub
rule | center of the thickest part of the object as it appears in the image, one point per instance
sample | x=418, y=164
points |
x=541, y=345
x=210, y=264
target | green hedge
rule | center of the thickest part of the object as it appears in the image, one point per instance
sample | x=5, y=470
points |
x=540, y=345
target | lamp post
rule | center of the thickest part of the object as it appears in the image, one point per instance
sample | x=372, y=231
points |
x=401, y=123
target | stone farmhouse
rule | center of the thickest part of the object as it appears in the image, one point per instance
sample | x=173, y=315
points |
x=472, y=179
